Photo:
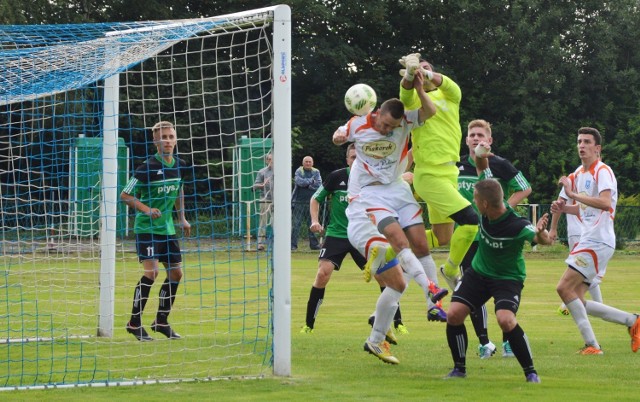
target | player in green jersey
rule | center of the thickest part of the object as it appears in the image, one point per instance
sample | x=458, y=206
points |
x=336, y=244
x=498, y=271
x=153, y=191
x=515, y=188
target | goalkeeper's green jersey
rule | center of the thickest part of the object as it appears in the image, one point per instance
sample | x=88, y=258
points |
x=500, y=244
x=156, y=184
x=438, y=140
x=335, y=186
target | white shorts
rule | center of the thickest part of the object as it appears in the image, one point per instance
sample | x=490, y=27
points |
x=590, y=259
x=375, y=203
x=572, y=240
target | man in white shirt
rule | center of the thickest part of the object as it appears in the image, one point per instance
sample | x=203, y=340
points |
x=595, y=193
x=382, y=211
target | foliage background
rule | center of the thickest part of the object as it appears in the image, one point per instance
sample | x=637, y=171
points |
x=537, y=69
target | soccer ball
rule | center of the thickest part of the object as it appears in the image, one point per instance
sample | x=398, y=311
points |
x=360, y=99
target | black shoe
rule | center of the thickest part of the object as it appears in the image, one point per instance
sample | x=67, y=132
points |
x=315, y=247
x=139, y=332
x=165, y=329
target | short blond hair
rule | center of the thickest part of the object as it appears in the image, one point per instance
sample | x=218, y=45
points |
x=160, y=125
x=480, y=123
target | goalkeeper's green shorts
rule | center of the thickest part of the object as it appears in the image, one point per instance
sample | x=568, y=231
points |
x=437, y=185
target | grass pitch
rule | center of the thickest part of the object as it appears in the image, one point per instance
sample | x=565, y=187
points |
x=329, y=364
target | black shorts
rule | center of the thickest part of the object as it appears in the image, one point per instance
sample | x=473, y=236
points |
x=475, y=290
x=164, y=248
x=334, y=249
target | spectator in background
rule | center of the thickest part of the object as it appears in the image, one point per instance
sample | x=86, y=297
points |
x=307, y=180
x=264, y=182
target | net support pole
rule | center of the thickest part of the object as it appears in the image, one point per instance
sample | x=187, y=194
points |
x=109, y=206
x=247, y=246
x=534, y=220
x=281, y=131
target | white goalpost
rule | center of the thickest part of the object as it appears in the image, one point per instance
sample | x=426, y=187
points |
x=76, y=106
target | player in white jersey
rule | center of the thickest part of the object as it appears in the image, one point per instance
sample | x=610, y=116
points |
x=595, y=193
x=382, y=211
x=574, y=228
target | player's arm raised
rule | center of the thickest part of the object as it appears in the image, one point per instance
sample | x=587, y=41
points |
x=340, y=136
x=428, y=108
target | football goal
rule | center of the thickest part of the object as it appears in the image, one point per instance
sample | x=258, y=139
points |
x=77, y=103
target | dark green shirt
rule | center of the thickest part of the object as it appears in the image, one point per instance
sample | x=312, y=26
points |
x=510, y=178
x=335, y=186
x=500, y=244
x=156, y=184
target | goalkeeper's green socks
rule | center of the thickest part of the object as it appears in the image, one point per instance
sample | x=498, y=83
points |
x=461, y=240
x=432, y=240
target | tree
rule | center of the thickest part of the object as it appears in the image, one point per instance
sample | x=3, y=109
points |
x=536, y=69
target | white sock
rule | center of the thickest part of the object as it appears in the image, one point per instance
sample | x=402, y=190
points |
x=411, y=265
x=385, y=310
x=596, y=294
x=579, y=315
x=429, y=268
x=609, y=313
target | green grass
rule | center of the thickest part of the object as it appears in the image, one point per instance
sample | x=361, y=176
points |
x=222, y=310
x=329, y=364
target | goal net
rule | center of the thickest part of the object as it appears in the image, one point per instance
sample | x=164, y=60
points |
x=76, y=106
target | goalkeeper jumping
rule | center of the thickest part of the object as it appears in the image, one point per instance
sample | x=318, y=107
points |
x=436, y=149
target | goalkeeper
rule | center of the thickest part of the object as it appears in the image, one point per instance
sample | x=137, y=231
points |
x=153, y=191
x=436, y=149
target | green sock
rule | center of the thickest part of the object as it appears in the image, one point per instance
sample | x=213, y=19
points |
x=462, y=238
x=432, y=240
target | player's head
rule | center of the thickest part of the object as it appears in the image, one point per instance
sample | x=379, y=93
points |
x=428, y=85
x=593, y=132
x=351, y=154
x=426, y=65
x=389, y=116
x=268, y=158
x=477, y=131
x=488, y=194
x=589, y=144
x=164, y=137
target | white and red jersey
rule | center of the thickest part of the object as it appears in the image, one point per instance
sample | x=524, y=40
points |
x=380, y=159
x=597, y=224
x=574, y=226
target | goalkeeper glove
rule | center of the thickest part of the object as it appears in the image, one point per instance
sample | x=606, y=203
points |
x=411, y=62
x=428, y=74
